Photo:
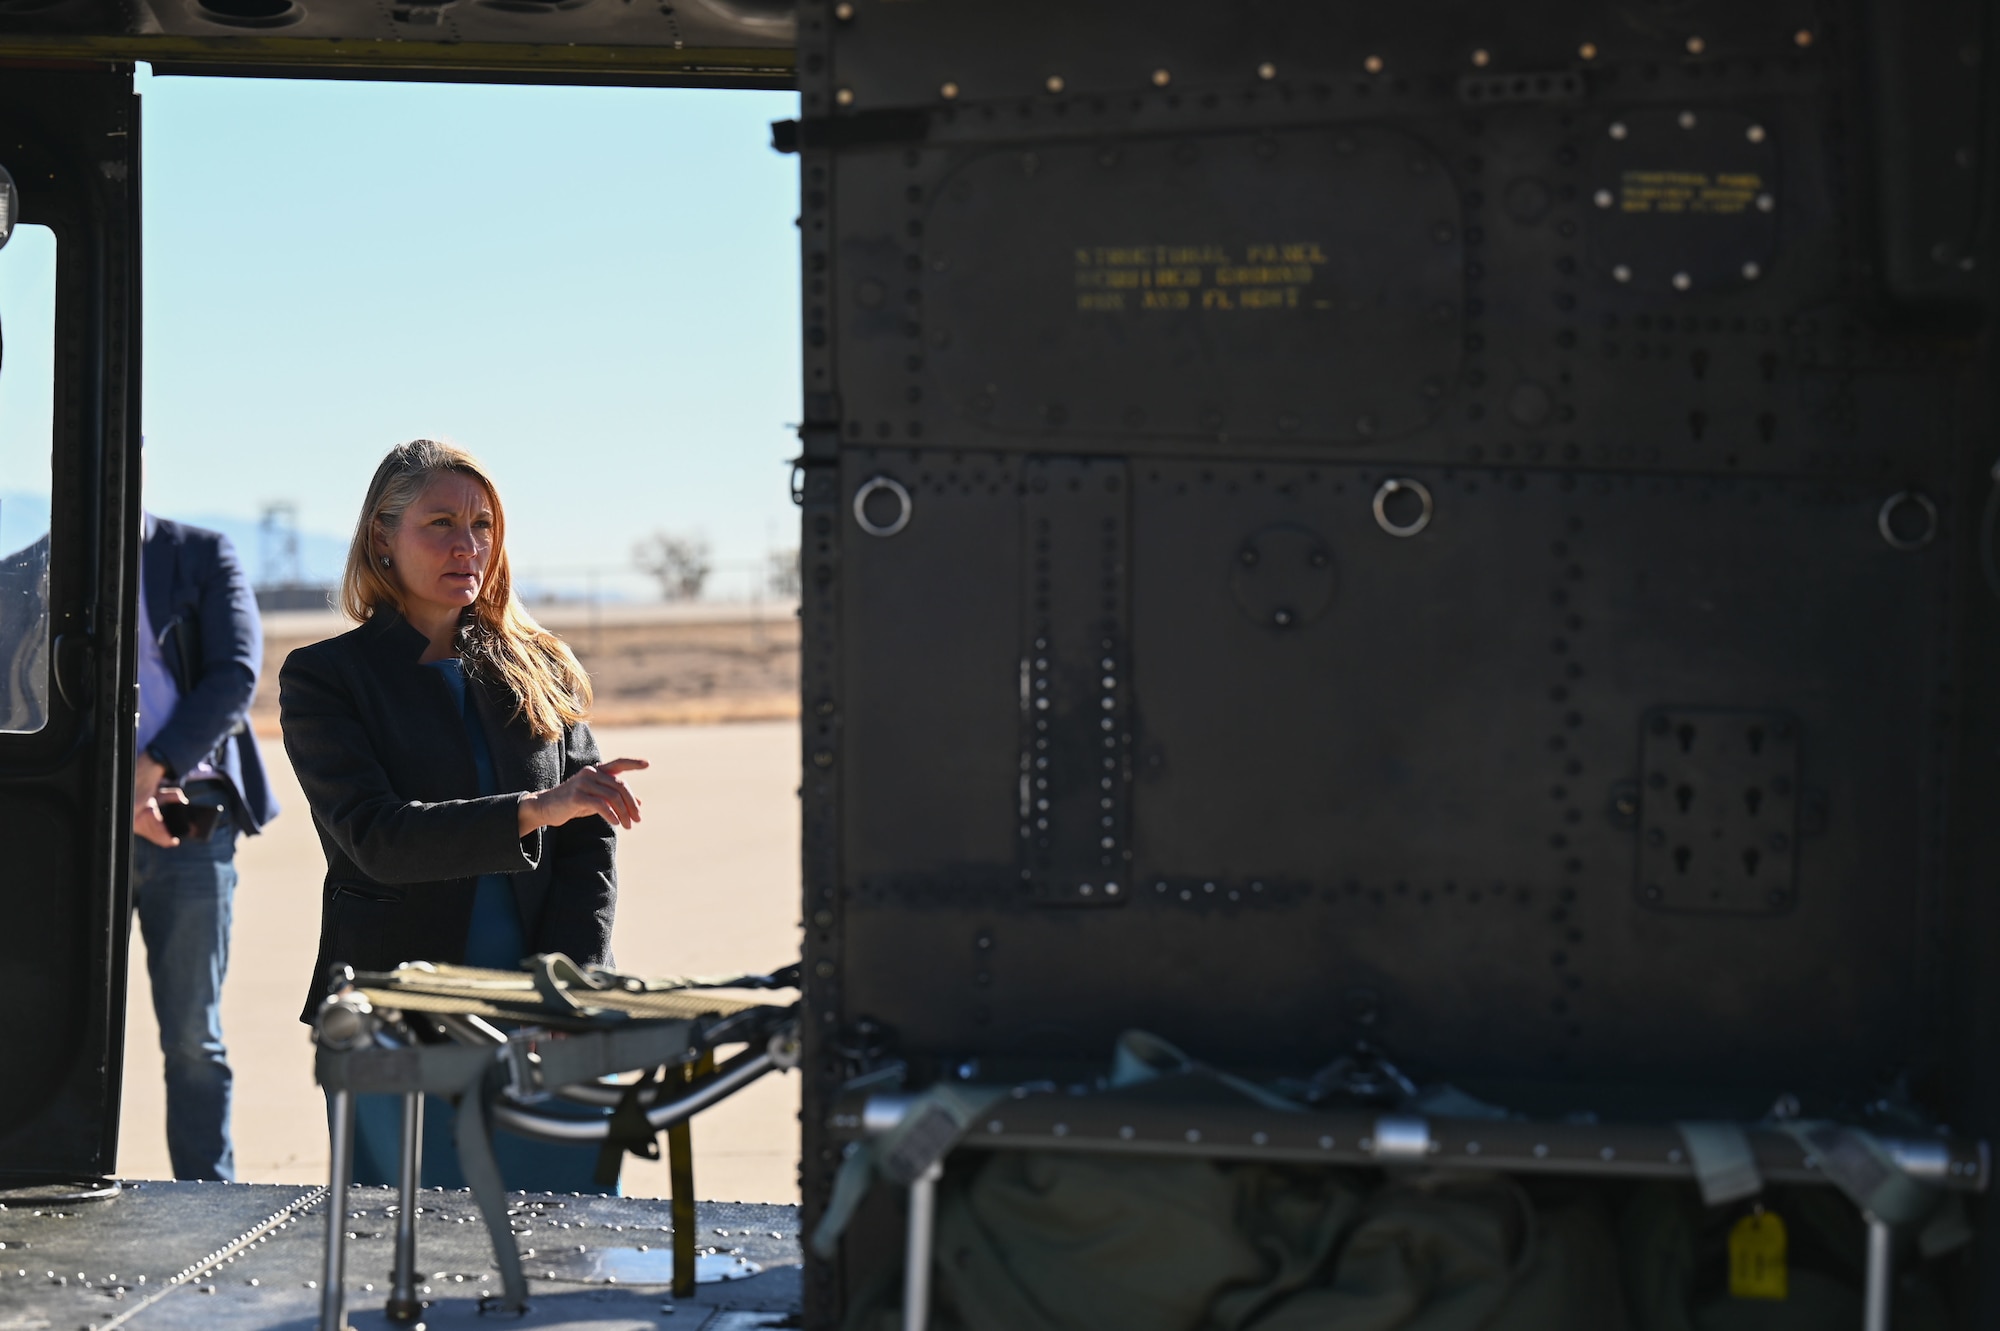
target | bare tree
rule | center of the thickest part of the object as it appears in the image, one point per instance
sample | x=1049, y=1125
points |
x=784, y=573
x=679, y=563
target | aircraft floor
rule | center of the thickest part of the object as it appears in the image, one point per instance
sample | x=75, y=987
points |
x=599, y=1263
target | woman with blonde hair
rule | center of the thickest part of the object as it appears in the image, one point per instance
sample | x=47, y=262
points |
x=458, y=794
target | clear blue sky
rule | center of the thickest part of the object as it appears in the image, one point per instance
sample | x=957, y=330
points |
x=594, y=289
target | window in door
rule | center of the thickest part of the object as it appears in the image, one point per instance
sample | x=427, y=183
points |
x=27, y=432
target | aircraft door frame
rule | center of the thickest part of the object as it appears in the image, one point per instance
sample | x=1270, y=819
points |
x=69, y=136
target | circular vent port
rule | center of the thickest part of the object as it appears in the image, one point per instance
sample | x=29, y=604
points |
x=251, y=13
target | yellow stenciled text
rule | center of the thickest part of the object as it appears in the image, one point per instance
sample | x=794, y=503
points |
x=1261, y=276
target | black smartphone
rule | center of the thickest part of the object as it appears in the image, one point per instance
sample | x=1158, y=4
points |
x=190, y=821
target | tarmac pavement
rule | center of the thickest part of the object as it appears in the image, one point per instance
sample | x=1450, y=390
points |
x=708, y=883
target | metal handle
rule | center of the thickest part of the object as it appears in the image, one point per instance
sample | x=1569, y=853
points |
x=75, y=669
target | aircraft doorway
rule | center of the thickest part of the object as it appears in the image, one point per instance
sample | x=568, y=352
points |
x=595, y=290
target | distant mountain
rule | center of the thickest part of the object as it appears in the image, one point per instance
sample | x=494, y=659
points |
x=24, y=517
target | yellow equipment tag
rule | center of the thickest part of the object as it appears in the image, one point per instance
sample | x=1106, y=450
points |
x=1757, y=1257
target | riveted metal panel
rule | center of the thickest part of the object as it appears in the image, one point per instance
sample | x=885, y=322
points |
x=930, y=710
x=1632, y=408
x=1196, y=285
x=1076, y=687
x=1719, y=809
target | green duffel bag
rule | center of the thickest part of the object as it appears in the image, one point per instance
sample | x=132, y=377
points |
x=1062, y=1242
x=1684, y=1264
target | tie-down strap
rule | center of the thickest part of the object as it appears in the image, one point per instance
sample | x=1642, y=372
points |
x=1882, y=1182
x=930, y=1126
x=1896, y=1182
x=1725, y=1168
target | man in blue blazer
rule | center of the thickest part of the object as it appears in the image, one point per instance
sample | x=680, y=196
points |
x=200, y=648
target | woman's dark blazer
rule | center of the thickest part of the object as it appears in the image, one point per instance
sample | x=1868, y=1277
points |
x=382, y=753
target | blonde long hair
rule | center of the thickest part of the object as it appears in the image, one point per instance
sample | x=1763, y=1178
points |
x=502, y=641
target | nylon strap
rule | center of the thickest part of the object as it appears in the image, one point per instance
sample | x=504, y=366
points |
x=628, y=1130
x=1142, y=1056
x=1860, y=1167
x=933, y=1124
x=1725, y=1168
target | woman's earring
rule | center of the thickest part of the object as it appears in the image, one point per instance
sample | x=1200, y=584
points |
x=385, y=561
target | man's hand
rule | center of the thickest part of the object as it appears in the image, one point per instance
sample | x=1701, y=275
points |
x=147, y=796
x=146, y=778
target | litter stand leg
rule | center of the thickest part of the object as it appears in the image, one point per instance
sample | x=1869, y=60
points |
x=1875, y=1315
x=680, y=1176
x=333, y=1281
x=917, y=1248
x=404, y=1306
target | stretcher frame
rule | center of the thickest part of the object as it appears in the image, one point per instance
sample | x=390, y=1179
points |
x=1044, y=1119
x=427, y=1029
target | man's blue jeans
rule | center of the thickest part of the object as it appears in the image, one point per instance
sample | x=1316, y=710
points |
x=183, y=898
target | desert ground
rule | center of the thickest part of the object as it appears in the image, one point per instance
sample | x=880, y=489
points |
x=708, y=883
x=681, y=664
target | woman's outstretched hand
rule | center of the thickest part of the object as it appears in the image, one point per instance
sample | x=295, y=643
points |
x=594, y=790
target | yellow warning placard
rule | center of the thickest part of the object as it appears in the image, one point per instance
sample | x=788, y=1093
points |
x=1718, y=193
x=1263, y=276
x=1757, y=1257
